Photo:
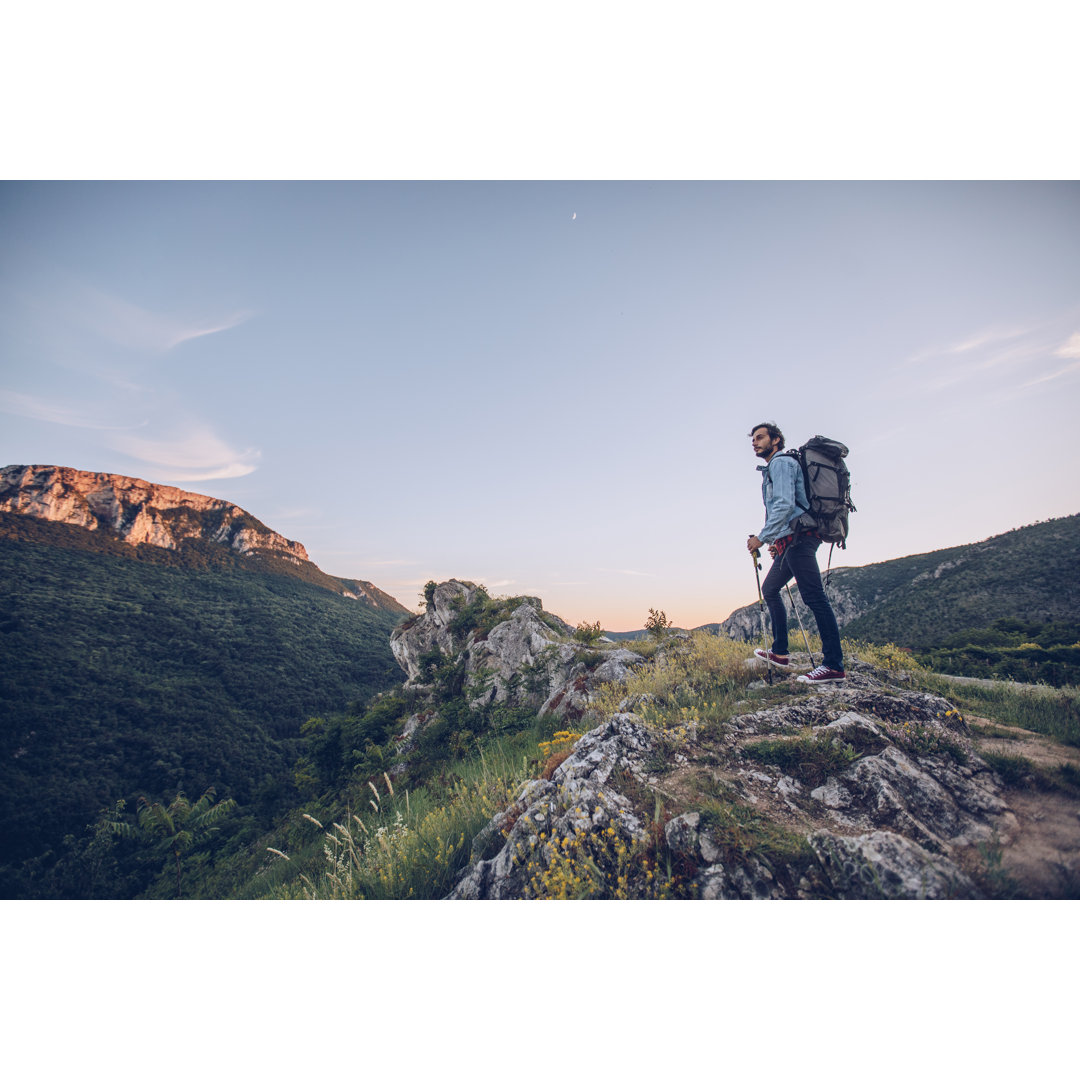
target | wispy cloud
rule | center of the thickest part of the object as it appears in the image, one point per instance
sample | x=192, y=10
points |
x=56, y=412
x=992, y=336
x=188, y=333
x=1071, y=349
x=997, y=357
x=99, y=350
x=1068, y=369
x=197, y=454
x=131, y=326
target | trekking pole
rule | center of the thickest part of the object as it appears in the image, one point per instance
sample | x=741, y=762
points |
x=756, y=555
x=798, y=616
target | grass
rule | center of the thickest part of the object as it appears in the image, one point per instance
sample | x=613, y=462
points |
x=407, y=845
x=742, y=832
x=1046, y=710
x=1017, y=771
x=1043, y=709
x=806, y=756
x=694, y=681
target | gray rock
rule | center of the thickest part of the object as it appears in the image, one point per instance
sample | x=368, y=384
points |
x=886, y=866
x=528, y=658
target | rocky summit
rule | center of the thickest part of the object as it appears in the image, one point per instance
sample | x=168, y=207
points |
x=136, y=511
x=870, y=789
x=861, y=792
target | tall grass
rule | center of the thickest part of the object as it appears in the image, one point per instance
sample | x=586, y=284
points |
x=409, y=845
x=1043, y=709
x=692, y=680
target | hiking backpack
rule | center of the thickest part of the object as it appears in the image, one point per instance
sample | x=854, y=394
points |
x=828, y=487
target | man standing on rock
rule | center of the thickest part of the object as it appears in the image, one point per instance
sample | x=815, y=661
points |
x=794, y=555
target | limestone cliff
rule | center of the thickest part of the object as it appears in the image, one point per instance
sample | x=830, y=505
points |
x=137, y=512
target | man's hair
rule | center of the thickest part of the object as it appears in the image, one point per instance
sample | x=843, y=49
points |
x=774, y=433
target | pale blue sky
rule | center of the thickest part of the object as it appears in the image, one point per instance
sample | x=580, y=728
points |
x=425, y=380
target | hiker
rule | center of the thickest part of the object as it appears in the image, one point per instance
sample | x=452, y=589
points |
x=794, y=554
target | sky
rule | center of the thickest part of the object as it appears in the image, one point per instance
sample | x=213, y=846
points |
x=548, y=387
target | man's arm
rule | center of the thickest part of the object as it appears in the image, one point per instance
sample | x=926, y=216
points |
x=780, y=504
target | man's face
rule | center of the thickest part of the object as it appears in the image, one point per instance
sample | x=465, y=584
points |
x=764, y=445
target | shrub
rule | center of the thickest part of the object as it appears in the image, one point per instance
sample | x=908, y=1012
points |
x=588, y=633
x=657, y=624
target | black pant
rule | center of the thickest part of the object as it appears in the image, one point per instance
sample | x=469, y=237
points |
x=800, y=561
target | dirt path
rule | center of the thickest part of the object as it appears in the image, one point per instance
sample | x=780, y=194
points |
x=1042, y=856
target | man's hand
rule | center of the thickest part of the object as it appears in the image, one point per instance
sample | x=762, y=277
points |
x=753, y=544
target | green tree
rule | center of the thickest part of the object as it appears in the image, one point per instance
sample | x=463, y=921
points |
x=657, y=623
x=182, y=824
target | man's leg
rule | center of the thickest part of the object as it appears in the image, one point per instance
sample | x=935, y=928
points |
x=778, y=576
x=802, y=562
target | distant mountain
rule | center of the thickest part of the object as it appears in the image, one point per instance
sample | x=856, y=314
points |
x=143, y=516
x=154, y=641
x=1030, y=573
x=122, y=515
x=136, y=511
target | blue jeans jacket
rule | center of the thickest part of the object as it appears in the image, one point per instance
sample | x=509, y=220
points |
x=783, y=491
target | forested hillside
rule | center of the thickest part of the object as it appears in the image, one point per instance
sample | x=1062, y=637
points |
x=1029, y=573
x=133, y=671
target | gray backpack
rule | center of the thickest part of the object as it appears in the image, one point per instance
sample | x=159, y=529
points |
x=828, y=487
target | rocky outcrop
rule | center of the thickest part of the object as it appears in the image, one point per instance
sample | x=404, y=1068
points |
x=137, y=512
x=865, y=791
x=505, y=651
x=371, y=595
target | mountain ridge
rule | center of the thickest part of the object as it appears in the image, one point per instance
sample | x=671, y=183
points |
x=124, y=515
x=137, y=511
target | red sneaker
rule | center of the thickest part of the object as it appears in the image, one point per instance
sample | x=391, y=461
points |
x=822, y=675
x=771, y=658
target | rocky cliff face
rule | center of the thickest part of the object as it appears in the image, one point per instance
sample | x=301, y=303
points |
x=137, y=512
x=503, y=651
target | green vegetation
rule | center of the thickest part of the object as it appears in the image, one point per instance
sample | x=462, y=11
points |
x=588, y=633
x=921, y=600
x=361, y=832
x=1043, y=709
x=401, y=844
x=156, y=672
x=1017, y=771
x=807, y=757
x=657, y=624
x=1011, y=649
x=182, y=824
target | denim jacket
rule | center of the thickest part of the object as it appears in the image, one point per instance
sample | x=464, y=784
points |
x=784, y=493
